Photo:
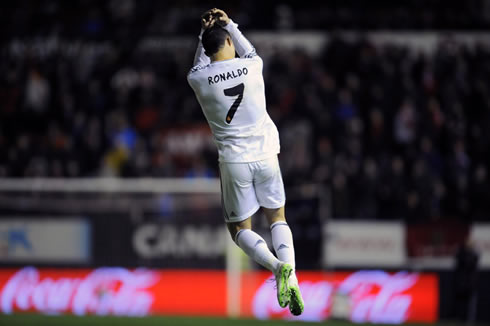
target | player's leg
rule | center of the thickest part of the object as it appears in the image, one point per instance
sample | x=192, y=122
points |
x=256, y=248
x=269, y=188
x=282, y=237
x=271, y=196
x=239, y=203
x=282, y=240
x=253, y=244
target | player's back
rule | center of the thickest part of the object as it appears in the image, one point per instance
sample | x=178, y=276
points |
x=232, y=96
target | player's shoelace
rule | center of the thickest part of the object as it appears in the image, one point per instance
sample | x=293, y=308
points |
x=272, y=280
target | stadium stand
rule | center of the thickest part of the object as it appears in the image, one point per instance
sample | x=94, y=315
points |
x=396, y=133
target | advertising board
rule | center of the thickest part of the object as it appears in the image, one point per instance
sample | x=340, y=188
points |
x=45, y=240
x=364, y=243
x=480, y=236
x=361, y=296
x=175, y=242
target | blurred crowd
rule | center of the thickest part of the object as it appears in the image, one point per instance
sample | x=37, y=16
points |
x=125, y=20
x=394, y=133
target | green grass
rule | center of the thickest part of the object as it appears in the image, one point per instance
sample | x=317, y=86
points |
x=39, y=320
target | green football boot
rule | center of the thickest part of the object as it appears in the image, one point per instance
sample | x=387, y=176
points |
x=282, y=282
x=296, y=303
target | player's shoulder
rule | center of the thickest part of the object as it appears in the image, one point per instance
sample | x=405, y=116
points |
x=196, y=73
x=196, y=69
x=252, y=59
x=252, y=55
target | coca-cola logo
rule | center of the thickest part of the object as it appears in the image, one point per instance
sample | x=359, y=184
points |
x=115, y=291
x=378, y=297
x=364, y=296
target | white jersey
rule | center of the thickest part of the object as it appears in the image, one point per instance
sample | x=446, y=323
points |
x=232, y=96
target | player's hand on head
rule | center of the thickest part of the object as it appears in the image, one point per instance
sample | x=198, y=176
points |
x=208, y=19
x=221, y=17
x=205, y=24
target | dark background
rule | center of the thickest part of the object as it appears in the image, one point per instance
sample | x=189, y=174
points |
x=92, y=88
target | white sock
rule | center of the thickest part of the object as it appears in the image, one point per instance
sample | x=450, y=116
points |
x=282, y=240
x=256, y=248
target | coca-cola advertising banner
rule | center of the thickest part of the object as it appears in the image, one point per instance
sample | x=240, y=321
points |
x=362, y=296
x=112, y=291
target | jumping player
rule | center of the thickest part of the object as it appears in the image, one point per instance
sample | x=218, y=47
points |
x=231, y=93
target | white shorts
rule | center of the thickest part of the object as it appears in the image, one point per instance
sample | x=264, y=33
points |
x=245, y=187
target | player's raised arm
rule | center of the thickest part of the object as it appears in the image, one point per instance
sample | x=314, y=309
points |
x=242, y=45
x=207, y=21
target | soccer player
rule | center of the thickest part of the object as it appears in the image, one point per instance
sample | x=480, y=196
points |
x=231, y=93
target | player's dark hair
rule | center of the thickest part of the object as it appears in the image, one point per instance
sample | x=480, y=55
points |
x=213, y=39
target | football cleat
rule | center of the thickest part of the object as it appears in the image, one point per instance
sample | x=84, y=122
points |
x=282, y=284
x=296, y=303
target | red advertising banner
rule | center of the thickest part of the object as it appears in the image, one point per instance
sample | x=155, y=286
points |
x=363, y=296
x=113, y=291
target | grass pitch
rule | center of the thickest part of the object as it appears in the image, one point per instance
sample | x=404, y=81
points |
x=40, y=320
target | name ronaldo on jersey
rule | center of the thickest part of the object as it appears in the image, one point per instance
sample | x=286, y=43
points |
x=227, y=75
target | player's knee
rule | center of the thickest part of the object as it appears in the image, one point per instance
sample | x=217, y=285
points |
x=235, y=227
x=233, y=230
x=274, y=215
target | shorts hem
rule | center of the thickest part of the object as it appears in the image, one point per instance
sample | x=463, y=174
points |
x=243, y=216
x=274, y=206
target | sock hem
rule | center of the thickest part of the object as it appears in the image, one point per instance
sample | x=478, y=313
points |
x=273, y=225
x=237, y=235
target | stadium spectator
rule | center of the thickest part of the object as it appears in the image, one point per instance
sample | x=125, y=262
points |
x=410, y=127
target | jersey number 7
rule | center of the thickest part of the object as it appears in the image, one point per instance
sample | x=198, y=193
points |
x=234, y=91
